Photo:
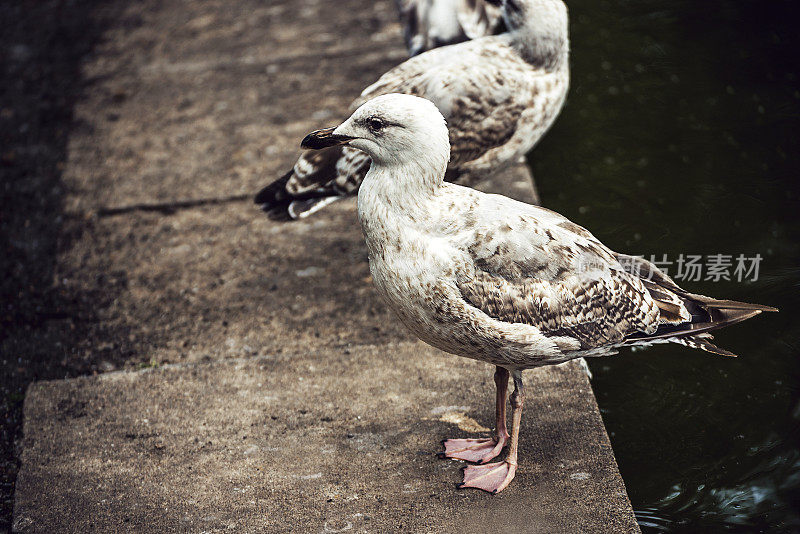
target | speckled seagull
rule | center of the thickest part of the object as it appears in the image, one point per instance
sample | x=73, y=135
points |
x=489, y=278
x=429, y=24
x=499, y=94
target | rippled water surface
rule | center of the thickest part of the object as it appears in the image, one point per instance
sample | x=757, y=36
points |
x=680, y=136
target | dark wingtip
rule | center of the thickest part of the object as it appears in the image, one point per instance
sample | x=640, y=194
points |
x=277, y=213
x=265, y=197
x=275, y=192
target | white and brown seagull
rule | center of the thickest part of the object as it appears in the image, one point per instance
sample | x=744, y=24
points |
x=429, y=24
x=499, y=94
x=489, y=278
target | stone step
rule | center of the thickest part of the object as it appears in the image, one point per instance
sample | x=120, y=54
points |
x=343, y=439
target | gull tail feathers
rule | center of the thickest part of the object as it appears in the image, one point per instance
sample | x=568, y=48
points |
x=707, y=314
x=727, y=304
x=686, y=318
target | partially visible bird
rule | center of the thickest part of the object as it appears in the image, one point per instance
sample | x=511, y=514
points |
x=500, y=94
x=489, y=278
x=430, y=24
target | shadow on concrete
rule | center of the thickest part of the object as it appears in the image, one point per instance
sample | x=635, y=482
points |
x=41, y=48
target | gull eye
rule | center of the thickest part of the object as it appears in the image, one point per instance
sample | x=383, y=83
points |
x=375, y=125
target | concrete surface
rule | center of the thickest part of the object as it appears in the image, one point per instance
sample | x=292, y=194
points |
x=177, y=101
x=331, y=440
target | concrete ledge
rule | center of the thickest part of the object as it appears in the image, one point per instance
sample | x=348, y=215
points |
x=208, y=100
x=342, y=439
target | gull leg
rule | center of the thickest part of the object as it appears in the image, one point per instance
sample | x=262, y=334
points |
x=496, y=476
x=483, y=450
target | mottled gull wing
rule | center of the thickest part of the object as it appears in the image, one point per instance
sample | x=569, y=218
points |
x=318, y=178
x=537, y=268
x=339, y=169
x=533, y=266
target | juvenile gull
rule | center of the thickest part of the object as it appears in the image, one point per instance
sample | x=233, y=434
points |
x=486, y=277
x=499, y=94
x=430, y=24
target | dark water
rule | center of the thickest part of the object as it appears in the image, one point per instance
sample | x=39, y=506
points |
x=681, y=136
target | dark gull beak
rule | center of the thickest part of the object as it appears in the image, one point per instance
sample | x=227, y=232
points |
x=324, y=138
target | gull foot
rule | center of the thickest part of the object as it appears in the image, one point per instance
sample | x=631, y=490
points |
x=472, y=450
x=489, y=477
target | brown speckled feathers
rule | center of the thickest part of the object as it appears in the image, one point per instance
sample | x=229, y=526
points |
x=579, y=289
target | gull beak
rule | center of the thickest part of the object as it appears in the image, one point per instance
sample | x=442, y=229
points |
x=324, y=138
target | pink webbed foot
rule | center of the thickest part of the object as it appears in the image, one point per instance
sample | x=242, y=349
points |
x=473, y=450
x=489, y=477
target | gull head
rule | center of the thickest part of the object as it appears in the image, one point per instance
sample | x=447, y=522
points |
x=393, y=129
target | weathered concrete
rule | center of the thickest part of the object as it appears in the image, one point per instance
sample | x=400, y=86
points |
x=302, y=443
x=209, y=100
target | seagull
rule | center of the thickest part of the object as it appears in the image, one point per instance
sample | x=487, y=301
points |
x=430, y=24
x=500, y=94
x=486, y=277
